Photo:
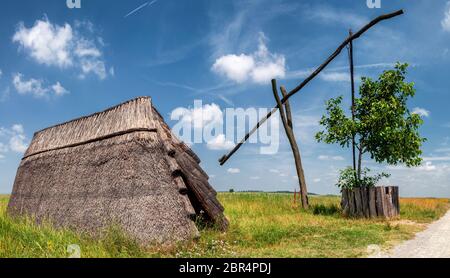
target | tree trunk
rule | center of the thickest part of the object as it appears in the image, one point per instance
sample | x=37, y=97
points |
x=360, y=162
x=352, y=79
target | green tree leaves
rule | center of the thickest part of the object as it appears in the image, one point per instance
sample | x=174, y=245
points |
x=383, y=125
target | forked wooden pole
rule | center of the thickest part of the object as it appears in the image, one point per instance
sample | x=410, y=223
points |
x=286, y=118
x=225, y=158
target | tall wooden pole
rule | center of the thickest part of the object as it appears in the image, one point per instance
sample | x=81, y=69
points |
x=286, y=118
x=352, y=79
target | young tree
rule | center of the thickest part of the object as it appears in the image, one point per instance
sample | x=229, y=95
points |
x=383, y=126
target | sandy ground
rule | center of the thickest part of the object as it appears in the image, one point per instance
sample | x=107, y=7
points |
x=434, y=242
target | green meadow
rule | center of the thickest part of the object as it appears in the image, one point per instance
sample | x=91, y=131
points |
x=261, y=225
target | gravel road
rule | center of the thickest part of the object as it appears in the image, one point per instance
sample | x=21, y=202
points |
x=434, y=242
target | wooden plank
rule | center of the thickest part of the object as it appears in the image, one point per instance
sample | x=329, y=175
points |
x=396, y=200
x=384, y=201
x=372, y=202
x=345, y=203
x=379, y=201
x=365, y=201
x=389, y=203
x=351, y=202
x=358, y=202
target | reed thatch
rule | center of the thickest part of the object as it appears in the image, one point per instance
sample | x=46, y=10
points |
x=121, y=166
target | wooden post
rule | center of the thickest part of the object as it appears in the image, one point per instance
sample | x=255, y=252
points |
x=344, y=202
x=286, y=118
x=372, y=202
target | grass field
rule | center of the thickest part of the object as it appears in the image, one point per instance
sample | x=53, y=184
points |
x=262, y=225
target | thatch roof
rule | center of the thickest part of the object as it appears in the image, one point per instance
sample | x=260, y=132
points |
x=122, y=166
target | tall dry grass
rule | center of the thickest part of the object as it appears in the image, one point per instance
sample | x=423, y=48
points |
x=262, y=225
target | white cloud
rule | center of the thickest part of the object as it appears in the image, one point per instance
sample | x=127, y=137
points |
x=1, y=73
x=234, y=67
x=93, y=66
x=436, y=158
x=443, y=150
x=275, y=171
x=429, y=179
x=18, y=129
x=220, y=143
x=428, y=167
x=233, y=170
x=59, y=90
x=330, y=158
x=16, y=140
x=446, y=20
x=259, y=67
x=421, y=112
x=17, y=143
x=199, y=116
x=31, y=86
x=47, y=43
x=255, y=178
x=335, y=76
x=329, y=15
x=317, y=180
x=61, y=46
x=36, y=87
x=3, y=150
x=203, y=117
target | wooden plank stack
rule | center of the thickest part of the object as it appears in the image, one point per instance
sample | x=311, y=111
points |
x=372, y=202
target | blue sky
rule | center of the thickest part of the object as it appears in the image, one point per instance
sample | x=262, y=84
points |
x=58, y=63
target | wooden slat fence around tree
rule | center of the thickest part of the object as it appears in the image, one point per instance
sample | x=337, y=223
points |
x=371, y=202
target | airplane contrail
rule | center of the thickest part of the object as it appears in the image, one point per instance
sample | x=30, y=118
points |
x=140, y=8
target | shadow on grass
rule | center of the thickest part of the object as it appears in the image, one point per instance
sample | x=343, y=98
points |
x=327, y=210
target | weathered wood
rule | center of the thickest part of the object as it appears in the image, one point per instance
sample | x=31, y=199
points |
x=358, y=202
x=386, y=207
x=198, y=185
x=396, y=200
x=344, y=202
x=385, y=202
x=362, y=202
x=351, y=202
x=225, y=158
x=379, y=201
x=388, y=202
x=287, y=106
x=372, y=202
x=293, y=143
x=365, y=201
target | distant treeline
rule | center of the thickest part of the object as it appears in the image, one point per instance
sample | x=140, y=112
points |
x=271, y=192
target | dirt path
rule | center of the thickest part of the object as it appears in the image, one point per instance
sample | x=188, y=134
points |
x=434, y=242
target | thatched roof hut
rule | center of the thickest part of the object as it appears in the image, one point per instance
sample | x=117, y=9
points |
x=121, y=166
